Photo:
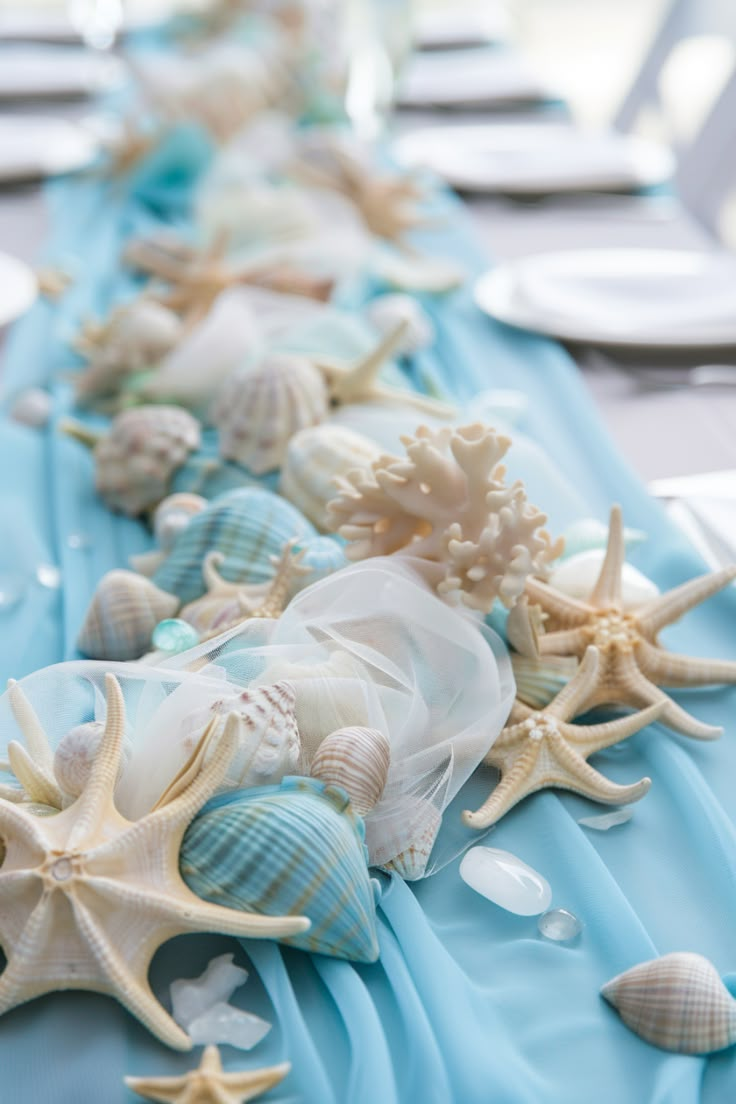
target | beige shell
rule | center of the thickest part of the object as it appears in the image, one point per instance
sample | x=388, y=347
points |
x=268, y=738
x=425, y=821
x=677, y=1002
x=123, y=613
x=538, y=681
x=137, y=459
x=75, y=754
x=173, y=514
x=315, y=457
x=356, y=759
x=258, y=410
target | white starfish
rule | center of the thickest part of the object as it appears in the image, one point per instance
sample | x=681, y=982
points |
x=87, y=897
x=540, y=750
x=209, y=1084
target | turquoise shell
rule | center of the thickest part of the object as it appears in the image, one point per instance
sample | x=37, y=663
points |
x=324, y=555
x=292, y=849
x=248, y=526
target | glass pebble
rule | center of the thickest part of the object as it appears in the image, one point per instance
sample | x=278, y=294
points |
x=605, y=821
x=12, y=587
x=559, y=925
x=49, y=576
x=174, y=635
x=192, y=997
x=505, y=880
x=225, y=1024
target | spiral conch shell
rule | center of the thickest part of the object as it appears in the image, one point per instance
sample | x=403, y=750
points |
x=76, y=753
x=677, y=1002
x=356, y=759
x=123, y=613
x=258, y=410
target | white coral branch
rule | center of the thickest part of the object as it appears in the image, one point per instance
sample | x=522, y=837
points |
x=446, y=504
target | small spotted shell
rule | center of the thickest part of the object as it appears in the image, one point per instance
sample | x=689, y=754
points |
x=76, y=753
x=314, y=458
x=356, y=759
x=123, y=613
x=677, y=1002
x=258, y=410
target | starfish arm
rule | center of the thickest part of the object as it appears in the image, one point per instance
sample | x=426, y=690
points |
x=564, y=642
x=14, y=988
x=519, y=712
x=181, y=909
x=683, y=722
x=11, y=793
x=95, y=799
x=589, y=738
x=669, y=669
x=574, y=696
x=18, y=824
x=164, y=1090
x=607, y=589
x=252, y=1083
x=133, y=994
x=669, y=607
x=577, y=775
x=515, y=784
x=632, y=687
x=38, y=784
x=568, y=611
x=508, y=740
x=27, y=720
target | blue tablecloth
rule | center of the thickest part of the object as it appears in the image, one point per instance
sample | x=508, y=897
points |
x=468, y=1003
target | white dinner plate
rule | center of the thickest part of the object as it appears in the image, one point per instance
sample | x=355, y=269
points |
x=19, y=24
x=534, y=159
x=33, y=147
x=626, y=298
x=458, y=27
x=18, y=288
x=55, y=72
x=494, y=78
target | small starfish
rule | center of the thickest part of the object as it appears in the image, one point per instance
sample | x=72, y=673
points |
x=87, y=897
x=209, y=1084
x=634, y=665
x=541, y=750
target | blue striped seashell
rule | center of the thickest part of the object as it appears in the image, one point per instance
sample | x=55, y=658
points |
x=292, y=849
x=248, y=526
x=324, y=555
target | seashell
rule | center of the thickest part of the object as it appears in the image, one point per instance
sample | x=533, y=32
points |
x=538, y=681
x=32, y=407
x=386, y=311
x=677, y=1002
x=423, y=821
x=296, y=848
x=357, y=759
x=172, y=516
x=136, y=337
x=323, y=556
x=247, y=526
x=314, y=459
x=258, y=410
x=577, y=575
x=269, y=746
x=76, y=753
x=123, y=613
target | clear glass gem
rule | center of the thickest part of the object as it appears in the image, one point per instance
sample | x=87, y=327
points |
x=174, y=635
x=62, y=870
x=605, y=821
x=49, y=576
x=505, y=880
x=559, y=925
x=225, y=1024
x=191, y=997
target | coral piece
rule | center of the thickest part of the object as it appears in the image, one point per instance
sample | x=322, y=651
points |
x=633, y=664
x=122, y=615
x=677, y=1002
x=88, y=896
x=209, y=1083
x=446, y=506
x=541, y=750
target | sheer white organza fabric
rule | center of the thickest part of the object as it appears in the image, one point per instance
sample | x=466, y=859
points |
x=369, y=645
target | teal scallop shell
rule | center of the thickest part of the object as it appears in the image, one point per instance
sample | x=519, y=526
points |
x=292, y=849
x=248, y=526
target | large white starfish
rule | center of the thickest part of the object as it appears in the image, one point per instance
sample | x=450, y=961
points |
x=633, y=665
x=87, y=897
x=209, y=1084
x=540, y=750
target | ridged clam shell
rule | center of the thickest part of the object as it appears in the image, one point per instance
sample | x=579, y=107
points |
x=323, y=555
x=386, y=311
x=123, y=613
x=282, y=850
x=172, y=516
x=538, y=681
x=677, y=1002
x=419, y=820
x=269, y=746
x=137, y=459
x=313, y=460
x=258, y=410
x=356, y=759
x=247, y=526
x=577, y=575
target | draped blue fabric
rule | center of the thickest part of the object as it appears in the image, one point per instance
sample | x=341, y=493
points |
x=467, y=1003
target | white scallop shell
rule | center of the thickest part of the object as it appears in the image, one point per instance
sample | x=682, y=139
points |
x=356, y=759
x=123, y=613
x=76, y=753
x=577, y=575
x=387, y=311
x=677, y=1002
x=315, y=457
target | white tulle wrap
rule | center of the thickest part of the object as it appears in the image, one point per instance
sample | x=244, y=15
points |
x=370, y=645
